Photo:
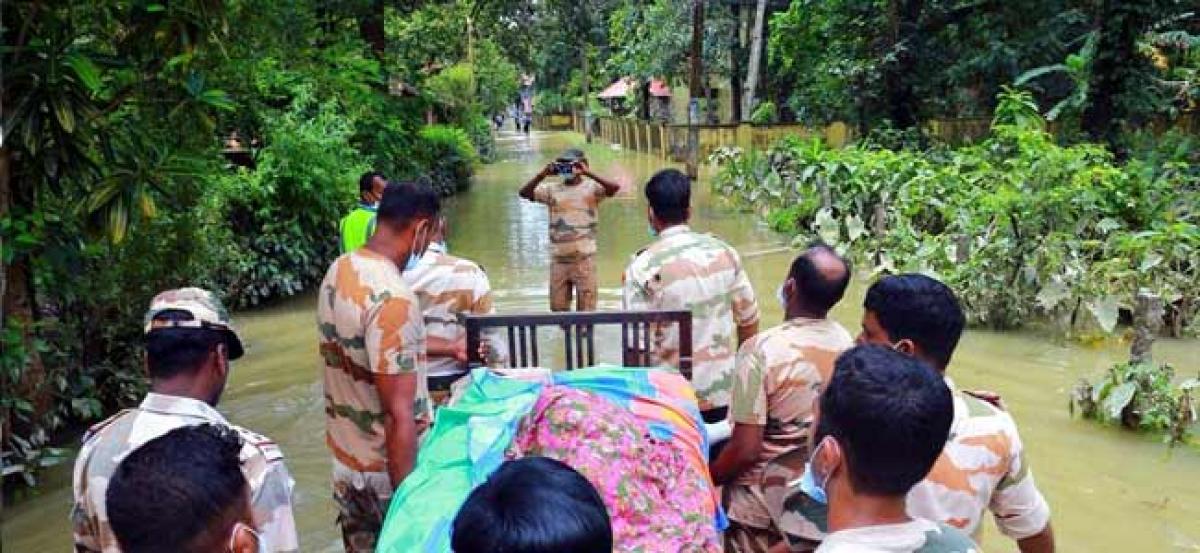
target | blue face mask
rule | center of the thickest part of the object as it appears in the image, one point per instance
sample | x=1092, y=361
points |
x=808, y=483
x=650, y=229
x=413, y=257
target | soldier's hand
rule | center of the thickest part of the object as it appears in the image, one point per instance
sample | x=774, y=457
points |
x=460, y=352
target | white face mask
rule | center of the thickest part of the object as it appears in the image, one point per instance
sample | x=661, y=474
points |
x=779, y=296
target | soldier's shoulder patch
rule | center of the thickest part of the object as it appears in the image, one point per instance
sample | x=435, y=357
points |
x=98, y=428
x=259, y=444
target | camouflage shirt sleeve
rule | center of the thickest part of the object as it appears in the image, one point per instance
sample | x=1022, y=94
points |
x=748, y=403
x=393, y=336
x=84, y=522
x=271, y=497
x=633, y=292
x=744, y=304
x=1018, y=506
x=544, y=193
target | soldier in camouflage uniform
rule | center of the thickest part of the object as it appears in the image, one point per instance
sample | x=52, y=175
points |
x=574, y=204
x=982, y=466
x=777, y=376
x=447, y=286
x=881, y=422
x=372, y=340
x=189, y=343
x=683, y=269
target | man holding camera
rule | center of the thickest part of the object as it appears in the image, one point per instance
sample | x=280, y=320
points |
x=574, y=208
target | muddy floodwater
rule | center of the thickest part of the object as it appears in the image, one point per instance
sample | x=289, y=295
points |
x=1110, y=491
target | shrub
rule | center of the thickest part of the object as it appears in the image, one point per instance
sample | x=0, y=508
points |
x=449, y=156
x=764, y=114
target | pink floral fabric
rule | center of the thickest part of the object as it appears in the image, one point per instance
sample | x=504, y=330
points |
x=657, y=499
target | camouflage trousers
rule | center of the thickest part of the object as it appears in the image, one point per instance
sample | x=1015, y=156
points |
x=362, y=501
x=578, y=276
x=740, y=538
x=751, y=529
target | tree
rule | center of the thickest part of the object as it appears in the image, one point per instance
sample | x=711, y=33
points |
x=756, y=41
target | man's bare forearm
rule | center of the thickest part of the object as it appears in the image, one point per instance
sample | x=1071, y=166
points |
x=400, y=435
x=611, y=188
x=527, y=190
x=1041, y=542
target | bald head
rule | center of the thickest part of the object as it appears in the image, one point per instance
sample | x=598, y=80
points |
x=819, y=277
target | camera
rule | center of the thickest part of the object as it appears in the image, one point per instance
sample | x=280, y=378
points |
x=564, y=168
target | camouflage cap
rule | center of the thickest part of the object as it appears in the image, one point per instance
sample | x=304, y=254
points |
x=572, y=155
x=206, y=310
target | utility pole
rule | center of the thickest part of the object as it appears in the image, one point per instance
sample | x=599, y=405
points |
x=695, y=86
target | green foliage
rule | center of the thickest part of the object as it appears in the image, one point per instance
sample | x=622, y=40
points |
x=448, y=153
x=1021, y=227
x=1140, y=396
x=283, y=216
x=764, y=113
x=114, y=117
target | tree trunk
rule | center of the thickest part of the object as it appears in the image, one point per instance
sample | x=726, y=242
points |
x=1119, y=25
x=694, y=88
x=903, y=21
x=17, y=306
x=737, y=48
x=370, y=27
x=1147, y=320
x=585, y=82
x=756, y=40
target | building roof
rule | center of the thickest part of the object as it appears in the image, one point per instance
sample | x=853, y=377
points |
x=620, y=88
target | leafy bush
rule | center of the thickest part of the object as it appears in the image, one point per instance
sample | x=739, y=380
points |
x=1020, y=226
x=764, y=114
x=449, y=155
x=1140, y=396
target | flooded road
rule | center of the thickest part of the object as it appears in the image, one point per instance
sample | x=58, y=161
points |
x=1110, y=491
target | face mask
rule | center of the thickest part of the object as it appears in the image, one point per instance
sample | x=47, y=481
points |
x=808, y=483
x=781, y=297
x=413, y=257
x=650, y=229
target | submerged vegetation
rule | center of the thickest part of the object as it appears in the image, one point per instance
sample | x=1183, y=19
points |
x=1022, y=227
x=1141, y=396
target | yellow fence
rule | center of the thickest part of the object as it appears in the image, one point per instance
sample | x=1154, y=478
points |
x=670, y=141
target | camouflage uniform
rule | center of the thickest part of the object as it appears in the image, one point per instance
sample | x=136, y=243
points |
x=778, y=374
x=574, y=212
x=109, y=442
x=916, y=536
x=982, y=467
x=370, y=324
x=106, y=444
x=446, y=287
x=683, y=269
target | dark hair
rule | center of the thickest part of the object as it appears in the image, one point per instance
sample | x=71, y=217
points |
x=173, y=351
x=891, y=415
x=820, y=292
x=918, y=308
x=366, y=182
x=669, y=193
x=533, y=505
x=179, y=492
x=404, y=201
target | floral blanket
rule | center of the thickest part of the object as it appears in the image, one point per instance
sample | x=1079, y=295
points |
x=642, y=422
